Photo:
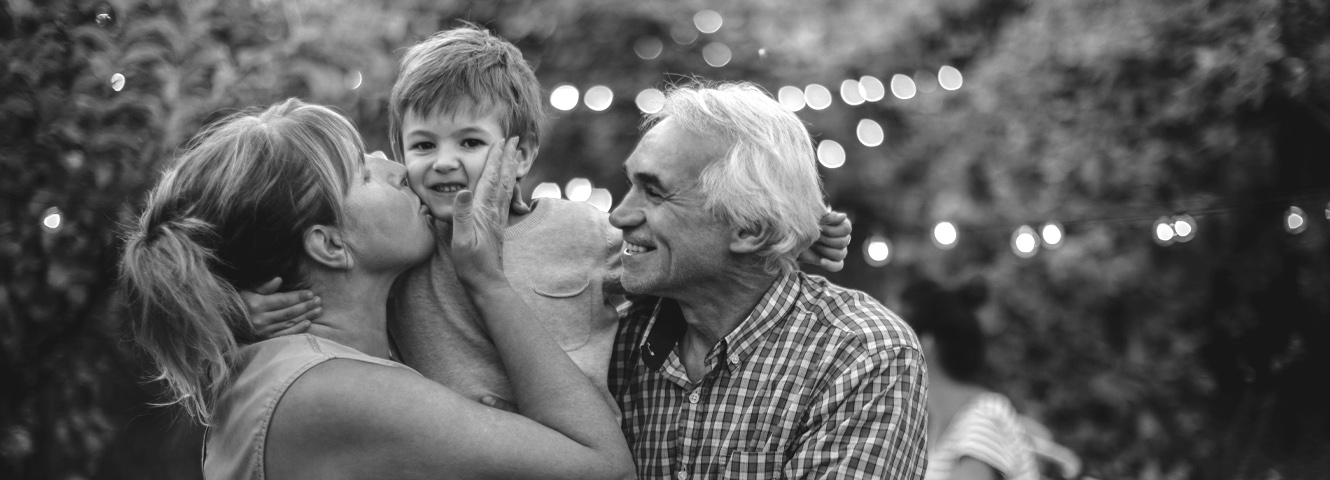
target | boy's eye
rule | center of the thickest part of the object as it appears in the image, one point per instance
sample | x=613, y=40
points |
x=472, y=143
x=422, y=146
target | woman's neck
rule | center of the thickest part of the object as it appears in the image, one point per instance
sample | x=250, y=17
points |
x=354, y=311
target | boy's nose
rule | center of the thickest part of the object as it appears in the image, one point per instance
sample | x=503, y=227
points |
x=445, y=164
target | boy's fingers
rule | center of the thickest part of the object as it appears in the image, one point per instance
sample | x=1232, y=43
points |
x=831, y=266
x=834, y=242
x=831, y=253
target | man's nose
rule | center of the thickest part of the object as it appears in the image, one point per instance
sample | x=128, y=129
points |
x=627, y=215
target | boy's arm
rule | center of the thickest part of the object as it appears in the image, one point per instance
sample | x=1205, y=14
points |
x=276, y=314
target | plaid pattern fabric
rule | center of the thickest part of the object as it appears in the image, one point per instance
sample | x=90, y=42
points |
x=818, y=382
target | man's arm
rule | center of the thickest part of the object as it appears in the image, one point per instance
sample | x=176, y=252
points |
x=870, y=423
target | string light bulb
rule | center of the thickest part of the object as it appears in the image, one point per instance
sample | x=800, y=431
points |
x=1163, y=231
x=1024, y=242
x=547, y=190
x=945, y=235
x=52, y=219
x=579, y=189
x=1051, y=234
x=1184, y=227
x=877, y=250
x=1295, y=220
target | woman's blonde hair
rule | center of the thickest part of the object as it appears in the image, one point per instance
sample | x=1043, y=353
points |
x=228, y=215
x=767, y=180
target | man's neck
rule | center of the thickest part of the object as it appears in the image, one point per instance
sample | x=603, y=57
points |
x=712, y=313
x=355, y=311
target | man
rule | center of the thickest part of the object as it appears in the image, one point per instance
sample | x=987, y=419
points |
x=731, y=363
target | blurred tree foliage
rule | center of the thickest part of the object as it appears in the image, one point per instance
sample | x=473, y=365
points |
x=1197, y=360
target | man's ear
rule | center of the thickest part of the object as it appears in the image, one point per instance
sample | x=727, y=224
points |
x=749, y=240
x=325, y=245
x=528, y=154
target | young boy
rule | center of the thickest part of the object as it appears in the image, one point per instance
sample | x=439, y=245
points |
x=456, y=94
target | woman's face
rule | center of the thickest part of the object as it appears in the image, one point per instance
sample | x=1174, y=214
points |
x=387, y=226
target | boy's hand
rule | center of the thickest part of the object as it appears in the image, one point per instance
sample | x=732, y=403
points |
x=830, y=249
x=275, y=314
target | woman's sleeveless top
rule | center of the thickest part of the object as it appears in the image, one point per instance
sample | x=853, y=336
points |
x=234, y=445
x=988, y=430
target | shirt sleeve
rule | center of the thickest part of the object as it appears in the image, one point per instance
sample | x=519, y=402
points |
x=870, y=421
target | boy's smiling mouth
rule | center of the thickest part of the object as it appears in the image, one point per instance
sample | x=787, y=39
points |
x=447, y=188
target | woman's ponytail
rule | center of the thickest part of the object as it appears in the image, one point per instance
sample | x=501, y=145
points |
x=182, y=313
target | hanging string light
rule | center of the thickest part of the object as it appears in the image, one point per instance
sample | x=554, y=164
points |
x=1295, y=220
x=52, y=219
x=1163, y=231
x=579, y=189
x=851, y=93
x=1024, y=242
x=1184, y=227
x=818, y=96
x=791, y=97
x=564, y=97
x=547, y=190
x=945, y=235
x=877, y=250
x=830, y=154
x=601, y=199
x=1051, y=234
x=598, y=98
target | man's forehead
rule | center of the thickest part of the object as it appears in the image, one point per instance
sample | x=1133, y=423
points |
x=668, y=150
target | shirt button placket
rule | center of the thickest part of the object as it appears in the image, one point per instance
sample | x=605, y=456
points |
x=694, y=397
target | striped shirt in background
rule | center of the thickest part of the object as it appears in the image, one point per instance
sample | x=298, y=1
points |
x=818, y=382
x=987, y=429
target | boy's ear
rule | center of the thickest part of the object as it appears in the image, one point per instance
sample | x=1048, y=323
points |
x=528, y=158
x=325, y=245
x=749, y=240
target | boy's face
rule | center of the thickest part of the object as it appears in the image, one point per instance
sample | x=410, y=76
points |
x=445, y=153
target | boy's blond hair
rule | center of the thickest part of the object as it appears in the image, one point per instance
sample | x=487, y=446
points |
x=466, y=68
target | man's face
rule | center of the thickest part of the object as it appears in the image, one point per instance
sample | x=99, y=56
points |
x=445, y=152
x=672, y=245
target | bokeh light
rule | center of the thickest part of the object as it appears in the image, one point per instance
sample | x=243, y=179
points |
x=117, y=82
x=791, y=97
x=1024, y=242
x=716, y=54
x=1051, y=234
x=851, y=93
x=870, y=133
x=601, y=199
x=354, y=79
x=650, y=100
x=648, y=47
x=1295, y=220
x=949, y=77
x=52, y=219
x=902, y=87
x=1184, y=227
x=579, y=189
x=708, y=21
x=547, y=190
x=925, y=81
x=1163, y=231
x=945, y=235
x=877, y=250
x=830, y=154
x=564, y=97
x=683, y=35
x=599, y=98
x=871, y=88
x=817, y=96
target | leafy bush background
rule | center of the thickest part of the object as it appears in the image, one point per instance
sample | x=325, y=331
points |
x=1200, y=360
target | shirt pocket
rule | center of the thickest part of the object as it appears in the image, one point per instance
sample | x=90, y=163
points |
x=754, y=465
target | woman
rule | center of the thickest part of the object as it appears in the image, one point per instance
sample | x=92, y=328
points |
x=974, y=433
x=289, y=192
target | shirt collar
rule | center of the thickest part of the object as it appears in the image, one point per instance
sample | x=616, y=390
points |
x=666, y=327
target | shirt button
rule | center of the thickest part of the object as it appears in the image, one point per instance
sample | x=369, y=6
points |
x=692, y=398
x=682, y=475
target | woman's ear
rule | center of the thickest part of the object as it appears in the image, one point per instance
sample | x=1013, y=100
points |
x=749, y=240
x=325, y=245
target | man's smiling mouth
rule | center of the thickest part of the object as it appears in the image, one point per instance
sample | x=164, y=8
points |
x=631, y=249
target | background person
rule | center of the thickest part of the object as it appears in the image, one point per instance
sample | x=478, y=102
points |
x=289, y=192
x=974, y=433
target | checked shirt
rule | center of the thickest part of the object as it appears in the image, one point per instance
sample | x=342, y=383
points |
x=817, y=382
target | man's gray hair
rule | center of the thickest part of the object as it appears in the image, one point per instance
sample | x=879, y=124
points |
x=768, y=180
